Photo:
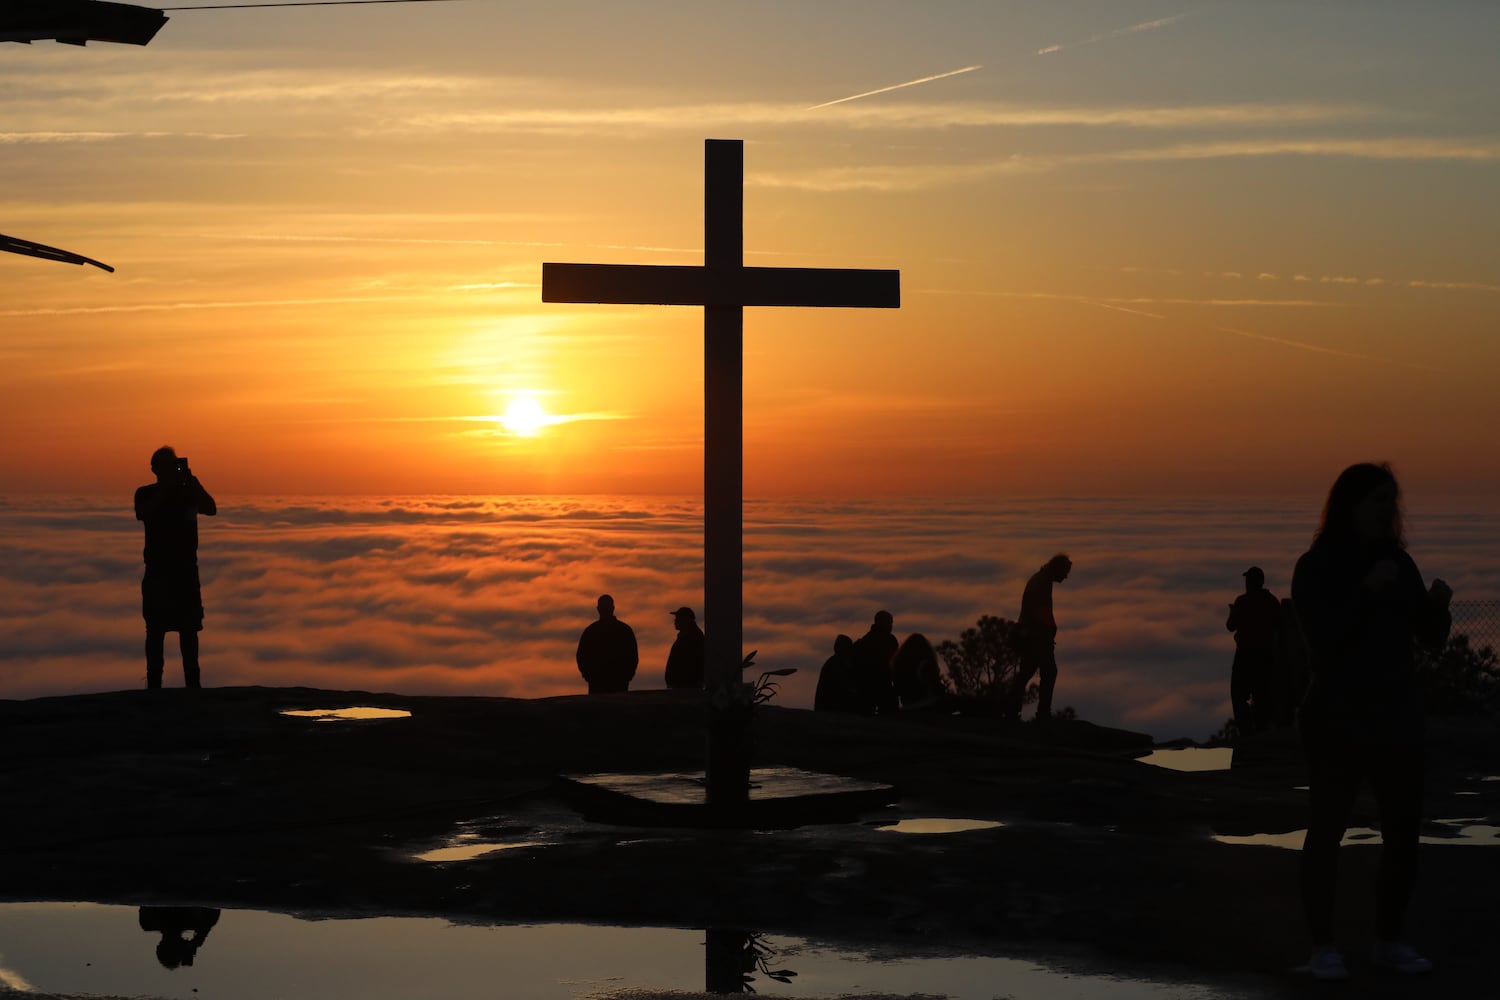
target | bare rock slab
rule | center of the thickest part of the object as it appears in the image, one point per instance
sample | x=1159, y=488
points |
x=779, y=797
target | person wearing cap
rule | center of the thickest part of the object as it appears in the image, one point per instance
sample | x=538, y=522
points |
x=1254, y=618
x=685, y=661
x=607, y=654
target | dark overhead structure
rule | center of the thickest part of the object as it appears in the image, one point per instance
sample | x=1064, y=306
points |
x=11, y=244
x=78, y=22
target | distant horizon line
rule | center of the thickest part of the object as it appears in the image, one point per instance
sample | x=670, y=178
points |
x=860, y=498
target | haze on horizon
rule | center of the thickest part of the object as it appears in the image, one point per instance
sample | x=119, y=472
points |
x=1146, y=248
x=487, y=596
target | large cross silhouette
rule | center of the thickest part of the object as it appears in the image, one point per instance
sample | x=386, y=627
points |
x=723, y=286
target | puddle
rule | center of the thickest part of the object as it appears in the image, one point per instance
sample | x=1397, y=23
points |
x=1466, y=832
x=87, y=948
x=940, y=825
x=1292, y=839
x=1191, y=758
x=468, y=852
x=347, y=714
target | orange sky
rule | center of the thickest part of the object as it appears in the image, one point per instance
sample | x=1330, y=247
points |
x=1142, y=250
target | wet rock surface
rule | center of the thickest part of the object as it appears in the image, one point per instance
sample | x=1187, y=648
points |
x=214, y=798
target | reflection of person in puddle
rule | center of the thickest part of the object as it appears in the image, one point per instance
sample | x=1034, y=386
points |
x=1364, y=608
x=172, y=922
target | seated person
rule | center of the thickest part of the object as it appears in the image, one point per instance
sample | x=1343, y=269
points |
x=837, y=688
x=916, y=676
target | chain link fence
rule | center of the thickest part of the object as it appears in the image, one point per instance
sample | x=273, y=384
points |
x=1479, y=620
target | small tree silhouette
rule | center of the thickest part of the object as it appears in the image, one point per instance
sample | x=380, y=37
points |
x=1460, y=679
x=983, y=665
x=1227, y=734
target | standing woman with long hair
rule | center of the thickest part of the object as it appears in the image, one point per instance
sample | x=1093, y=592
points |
x=1364, y=608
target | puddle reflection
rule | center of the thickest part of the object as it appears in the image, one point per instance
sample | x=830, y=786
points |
x=931, y=825
x=468, y=852
x=1292, y=839
x=354, y=713
x=732, y=959
x=1466, y=832
x=1191, y=758
x=87, y=948
x=183, y=930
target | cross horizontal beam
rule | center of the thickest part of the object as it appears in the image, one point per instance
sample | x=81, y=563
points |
x=670, y=285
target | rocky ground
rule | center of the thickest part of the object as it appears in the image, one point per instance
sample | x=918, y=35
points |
x=214, y=798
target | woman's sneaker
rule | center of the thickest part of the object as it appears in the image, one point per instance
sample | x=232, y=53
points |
x=1398, y=956
x=1327, y=963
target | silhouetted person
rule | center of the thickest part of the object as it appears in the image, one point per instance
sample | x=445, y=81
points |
x=872, y=665
x=171, y=597
x=916, y=676
x=1363, y=609
x=685, y=660
x=172, y=922
x=1254, y=618
x=607, y=654
x=1039, y=634
x=838, y=689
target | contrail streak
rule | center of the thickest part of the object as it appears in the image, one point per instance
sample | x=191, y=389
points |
x=1300, y=345
x=1160, y=22
x=896, y=86
x=1124, y=309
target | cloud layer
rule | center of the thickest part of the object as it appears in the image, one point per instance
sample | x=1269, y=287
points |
x=487, y=596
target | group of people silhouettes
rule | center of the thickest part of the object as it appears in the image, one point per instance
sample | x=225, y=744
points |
x=1270, y=669
x=1338, y=660
x=1358, y=611
x=608, y=656
x=1363, y=609
x=876, y=675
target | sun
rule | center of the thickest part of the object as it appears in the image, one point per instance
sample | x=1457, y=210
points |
x=525, y=417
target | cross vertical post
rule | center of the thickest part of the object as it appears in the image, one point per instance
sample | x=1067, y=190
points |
x=724, y=465
x=723, y=286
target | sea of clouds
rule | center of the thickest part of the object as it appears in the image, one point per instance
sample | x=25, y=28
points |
x=487, y=595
